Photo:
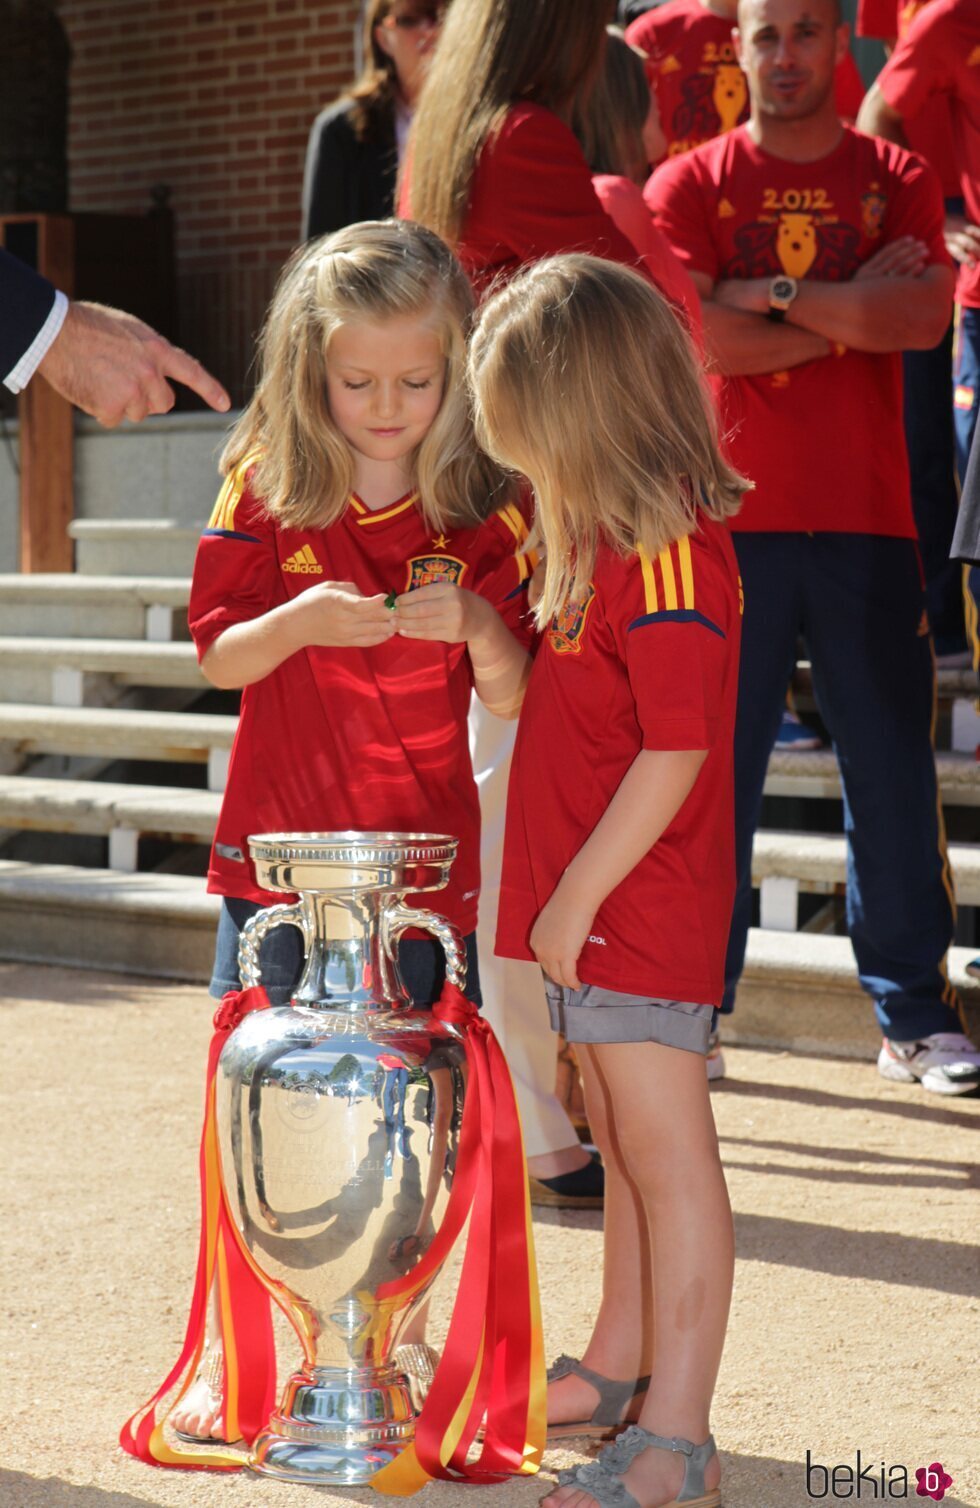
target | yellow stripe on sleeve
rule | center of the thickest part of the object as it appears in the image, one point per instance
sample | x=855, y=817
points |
x=223, y=513
x=687, y=571
x=214, y=522
x=505, y=517
x=649, y=580
x=518, y=517
x=670, y=583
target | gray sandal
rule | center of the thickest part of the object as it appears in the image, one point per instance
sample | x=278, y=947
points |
x=614, y=1399
x=602, y=1478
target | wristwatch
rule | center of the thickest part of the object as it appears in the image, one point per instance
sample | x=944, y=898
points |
x=782, y=291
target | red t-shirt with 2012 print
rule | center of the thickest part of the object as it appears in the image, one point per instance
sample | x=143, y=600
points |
x=701, y=90
x=823, y=442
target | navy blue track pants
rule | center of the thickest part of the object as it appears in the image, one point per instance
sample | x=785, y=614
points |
x=857, y=601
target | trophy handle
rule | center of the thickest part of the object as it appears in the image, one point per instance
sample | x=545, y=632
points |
x=400, y=918
x=256, y=928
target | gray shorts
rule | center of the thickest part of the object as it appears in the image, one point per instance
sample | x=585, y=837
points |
x=595, y=1014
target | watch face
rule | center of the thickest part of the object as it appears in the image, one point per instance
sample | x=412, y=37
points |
x=782, y=288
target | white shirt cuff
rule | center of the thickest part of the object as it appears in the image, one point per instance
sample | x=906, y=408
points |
x=20, y=375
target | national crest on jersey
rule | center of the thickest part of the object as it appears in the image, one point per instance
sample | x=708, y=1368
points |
x=434, y=570
x=567, y=631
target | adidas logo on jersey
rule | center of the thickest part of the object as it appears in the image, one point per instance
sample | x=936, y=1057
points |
x=303, y=563
x=974, y=58
x=725, y=209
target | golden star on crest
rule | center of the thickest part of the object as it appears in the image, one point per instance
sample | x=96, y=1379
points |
x=440, y=542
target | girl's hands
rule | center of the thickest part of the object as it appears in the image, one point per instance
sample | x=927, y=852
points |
x=450, y=614
x=335, y=614
x=558, y=936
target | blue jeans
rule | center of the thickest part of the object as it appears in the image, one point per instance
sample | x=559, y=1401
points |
x=420, y=959
x=858, y=602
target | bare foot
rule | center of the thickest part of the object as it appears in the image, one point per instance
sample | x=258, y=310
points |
x=200, y=1413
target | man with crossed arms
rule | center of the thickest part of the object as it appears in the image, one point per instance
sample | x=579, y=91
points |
x=819, y=256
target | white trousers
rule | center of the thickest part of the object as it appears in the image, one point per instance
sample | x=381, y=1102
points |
x=513, y=992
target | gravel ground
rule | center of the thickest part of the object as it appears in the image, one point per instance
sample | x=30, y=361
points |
x=856, y=1293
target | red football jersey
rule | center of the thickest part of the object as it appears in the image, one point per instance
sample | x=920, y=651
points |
x=823, y=442
x=931, y=132
x=648, y=660
x=701, y=90
x=369, y=739
x=939, y=55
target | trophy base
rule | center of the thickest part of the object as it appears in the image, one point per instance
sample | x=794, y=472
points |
x=336, y=1428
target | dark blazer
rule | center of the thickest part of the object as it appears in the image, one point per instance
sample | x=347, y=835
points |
x=966, y=535
x=25, y=303
x=346, y=180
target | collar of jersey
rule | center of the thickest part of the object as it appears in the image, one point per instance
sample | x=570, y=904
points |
x=363, y=516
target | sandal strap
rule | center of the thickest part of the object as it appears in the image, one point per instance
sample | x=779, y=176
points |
x=613, y=1395
x=595, y=1478
x=636, y=1438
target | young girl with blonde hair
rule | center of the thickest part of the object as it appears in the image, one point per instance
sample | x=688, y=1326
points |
x=619, y=869
x=363, y=570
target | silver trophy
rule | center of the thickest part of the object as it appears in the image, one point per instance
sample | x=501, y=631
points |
x=338, y=1118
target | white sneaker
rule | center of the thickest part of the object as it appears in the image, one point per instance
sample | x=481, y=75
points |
x=946, y=1062
x=715, y=1060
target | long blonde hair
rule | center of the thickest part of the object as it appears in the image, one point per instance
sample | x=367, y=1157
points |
x=491, y=54
x=585, y=382
x=304, y=470
x=609, y=123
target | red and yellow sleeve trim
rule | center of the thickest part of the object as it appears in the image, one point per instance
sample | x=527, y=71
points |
x=668, y=580
x=223, y=512
x=513, y=519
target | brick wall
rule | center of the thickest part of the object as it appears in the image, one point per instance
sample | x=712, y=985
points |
x=215, y=99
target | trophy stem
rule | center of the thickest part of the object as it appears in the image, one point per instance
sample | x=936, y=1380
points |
x=336, y=1427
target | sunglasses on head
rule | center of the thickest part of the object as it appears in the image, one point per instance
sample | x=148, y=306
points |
x=429, y=15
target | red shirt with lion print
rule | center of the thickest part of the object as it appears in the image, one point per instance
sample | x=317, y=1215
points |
x=823, y=442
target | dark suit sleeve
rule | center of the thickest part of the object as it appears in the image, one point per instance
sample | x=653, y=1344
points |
x=966, y=536
x=330, y=176
x=26, y=300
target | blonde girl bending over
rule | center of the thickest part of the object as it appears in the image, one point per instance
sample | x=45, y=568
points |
x=619, y=871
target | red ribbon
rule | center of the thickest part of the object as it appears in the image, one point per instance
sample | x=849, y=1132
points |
x=493, y=1355
x=222, y=1260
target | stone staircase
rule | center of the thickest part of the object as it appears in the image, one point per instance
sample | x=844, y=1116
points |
x=113, y=754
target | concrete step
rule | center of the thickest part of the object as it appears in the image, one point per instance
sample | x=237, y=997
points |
x=784, y=863
x=799, y=992
x=183, y=737
x=64, y=671
x=107, y=607
x=150, y=547
x=122, y=813
x=815, y=773
x=156, y=924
